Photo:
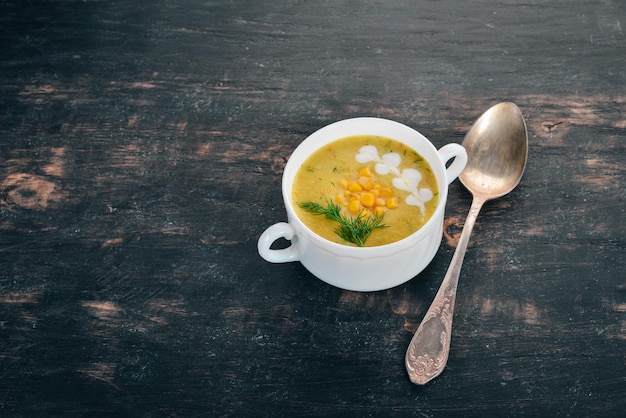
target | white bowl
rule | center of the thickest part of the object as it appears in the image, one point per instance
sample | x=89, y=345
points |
x=363, y=268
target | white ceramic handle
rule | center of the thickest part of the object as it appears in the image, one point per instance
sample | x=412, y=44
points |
x=271, y=234
x=456, y=151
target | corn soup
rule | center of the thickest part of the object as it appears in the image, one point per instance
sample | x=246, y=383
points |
x=365, y=182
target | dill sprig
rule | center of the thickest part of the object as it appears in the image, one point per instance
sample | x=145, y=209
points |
x=355, y=230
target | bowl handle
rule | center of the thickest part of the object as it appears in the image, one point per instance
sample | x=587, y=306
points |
x=456, y=151
x=271, y=234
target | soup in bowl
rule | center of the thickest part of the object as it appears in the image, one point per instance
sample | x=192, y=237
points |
x=365, y=190
x=365, y=201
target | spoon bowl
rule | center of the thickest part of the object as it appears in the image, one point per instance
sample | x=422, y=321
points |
x=497, y=146
x=497, y=150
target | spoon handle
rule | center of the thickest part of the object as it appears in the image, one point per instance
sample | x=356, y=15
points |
x=428, y=351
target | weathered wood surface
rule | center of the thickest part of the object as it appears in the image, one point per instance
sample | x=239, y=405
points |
x=141, y=149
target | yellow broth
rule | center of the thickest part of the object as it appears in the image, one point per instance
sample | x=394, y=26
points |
x=333, y=174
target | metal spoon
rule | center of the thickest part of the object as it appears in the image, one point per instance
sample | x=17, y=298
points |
x=497, y=149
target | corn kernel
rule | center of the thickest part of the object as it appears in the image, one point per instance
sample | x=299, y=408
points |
x=375, y=192
x=355, y=187
x=365, y=171
x=391, y=203
x=366, y=183
x=368, y=200
x=355, y=206
x=380, y=201
x=339, y=199
x=386, y=192
x=378, y=211
x=344, y=183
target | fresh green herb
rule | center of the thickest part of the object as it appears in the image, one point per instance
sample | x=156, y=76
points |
x=355, y=230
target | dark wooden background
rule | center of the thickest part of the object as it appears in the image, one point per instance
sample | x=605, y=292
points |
x=141, y=151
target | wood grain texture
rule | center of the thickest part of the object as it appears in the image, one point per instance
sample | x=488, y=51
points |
x=141, y=151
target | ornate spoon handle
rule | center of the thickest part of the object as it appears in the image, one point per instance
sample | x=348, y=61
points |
x=428, y=351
